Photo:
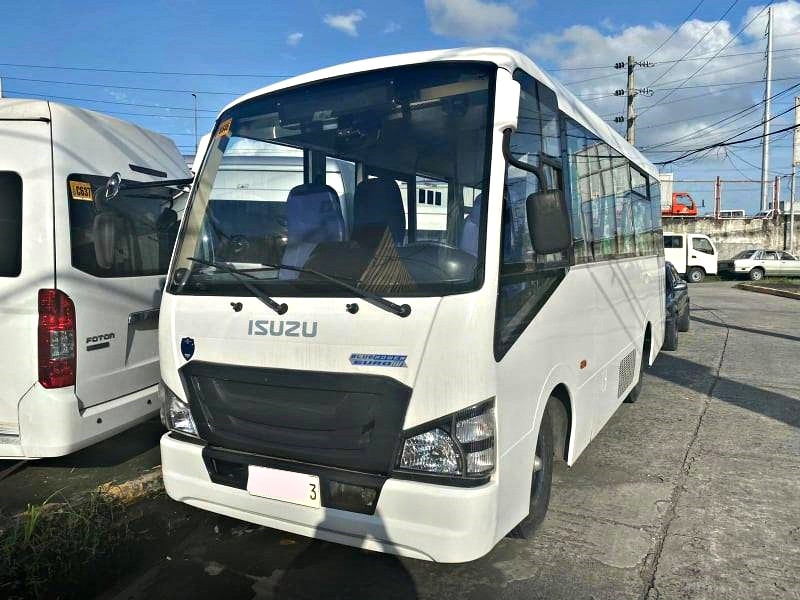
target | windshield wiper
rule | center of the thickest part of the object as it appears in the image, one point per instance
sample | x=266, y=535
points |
x=401, y=310
x=278, y=308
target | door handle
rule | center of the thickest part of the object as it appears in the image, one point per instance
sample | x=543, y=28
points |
x=693, y=256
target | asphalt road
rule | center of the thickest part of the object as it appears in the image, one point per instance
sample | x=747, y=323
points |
x=693, y=492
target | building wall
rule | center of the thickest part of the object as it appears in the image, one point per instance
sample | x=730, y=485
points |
x=734, y=235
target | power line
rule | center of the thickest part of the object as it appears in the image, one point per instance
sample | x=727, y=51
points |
x=674, y=31
x=117, y=102
x=137, y=72
x=125, y=87
x=716, y=53
x=709, y=30
x=728, y=143
x=744, y=110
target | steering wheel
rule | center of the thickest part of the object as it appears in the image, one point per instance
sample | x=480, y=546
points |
x=238, y=243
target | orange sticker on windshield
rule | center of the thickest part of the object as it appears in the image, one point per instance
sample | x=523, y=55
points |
x=224, y=128
x=80, y=190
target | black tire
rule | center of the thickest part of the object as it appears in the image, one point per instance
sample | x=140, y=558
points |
x=636, y=391
x=541, y=480
x=695, y=275
x=685, y=320
x=671, y=335
x=756, y=274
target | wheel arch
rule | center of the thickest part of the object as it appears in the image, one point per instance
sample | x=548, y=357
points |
x=560, y=403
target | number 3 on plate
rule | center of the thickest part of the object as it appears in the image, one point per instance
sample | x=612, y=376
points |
x=312, y=494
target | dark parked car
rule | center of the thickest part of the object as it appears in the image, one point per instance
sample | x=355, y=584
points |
x=677, y=307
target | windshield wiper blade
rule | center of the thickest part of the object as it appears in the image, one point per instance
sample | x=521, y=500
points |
x=278, y=308
x=401, y=310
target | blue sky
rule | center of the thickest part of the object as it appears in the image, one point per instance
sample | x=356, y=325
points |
x=271, y=39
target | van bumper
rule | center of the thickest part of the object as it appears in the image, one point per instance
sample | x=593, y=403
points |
x=51, y=424
x=418, y=520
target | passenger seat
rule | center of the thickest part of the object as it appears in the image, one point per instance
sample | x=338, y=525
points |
x=313, y=215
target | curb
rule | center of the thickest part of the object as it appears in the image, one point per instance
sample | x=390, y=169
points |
x=134, y=490
x=760, y=289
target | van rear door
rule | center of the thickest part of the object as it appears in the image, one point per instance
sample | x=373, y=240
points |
x=116, y=300
x=675, y=250
x=116, y=307
x=26, y=255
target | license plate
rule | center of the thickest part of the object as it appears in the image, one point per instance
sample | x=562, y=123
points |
x=286, y=486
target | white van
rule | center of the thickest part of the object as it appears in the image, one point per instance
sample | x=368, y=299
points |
x=78, y=322
x=694, y=255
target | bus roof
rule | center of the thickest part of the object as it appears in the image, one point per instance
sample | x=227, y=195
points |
x=504, y=58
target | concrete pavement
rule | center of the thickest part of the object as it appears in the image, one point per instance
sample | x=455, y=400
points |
x=693, y=492
x=690, y=493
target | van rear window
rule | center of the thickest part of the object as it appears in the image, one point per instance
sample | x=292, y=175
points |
x=144, y=229
x=10, y=224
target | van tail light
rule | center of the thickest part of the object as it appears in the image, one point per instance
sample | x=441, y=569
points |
x=56, y=339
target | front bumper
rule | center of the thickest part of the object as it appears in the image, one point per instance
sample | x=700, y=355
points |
x=414, y=519
x=51, y=423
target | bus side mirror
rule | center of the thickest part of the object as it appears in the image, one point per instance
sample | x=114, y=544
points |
x=548, y=222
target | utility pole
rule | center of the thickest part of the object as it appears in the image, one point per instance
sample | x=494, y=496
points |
x=195, y=124
x=717, y=197
x=767, y=95
x=630, y=130
x=1, y=87
x=795, y=162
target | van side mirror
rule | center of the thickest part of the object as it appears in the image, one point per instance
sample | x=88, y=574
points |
x=105, y=193
x=548, y=222
x=104, y=234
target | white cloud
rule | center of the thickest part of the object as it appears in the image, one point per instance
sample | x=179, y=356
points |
x=473, y=20
x=294, y=38
x=348, y=23
x=391, y=27
x=676, y=112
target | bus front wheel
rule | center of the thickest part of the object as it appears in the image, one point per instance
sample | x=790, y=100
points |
x=542, y=478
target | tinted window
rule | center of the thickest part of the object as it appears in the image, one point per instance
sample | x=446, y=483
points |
x=145, y=229
x=745, y=254
x=787, y=256
x=673, y=241
x=10, y=224
x=702, y=245
x=769, y=256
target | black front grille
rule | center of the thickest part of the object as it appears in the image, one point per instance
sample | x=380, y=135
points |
x=341, y=420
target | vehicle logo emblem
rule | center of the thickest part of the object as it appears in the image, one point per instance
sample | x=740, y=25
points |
x=187, y=347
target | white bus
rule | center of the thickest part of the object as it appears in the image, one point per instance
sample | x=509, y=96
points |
x=350, y=373
x=79, y=290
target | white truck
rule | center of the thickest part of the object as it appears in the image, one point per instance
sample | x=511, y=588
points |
x=79, y=288
x=694, y=255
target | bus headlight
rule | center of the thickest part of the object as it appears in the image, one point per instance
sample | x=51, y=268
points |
x=461, y=445
x=432, y=451
x=175, y=413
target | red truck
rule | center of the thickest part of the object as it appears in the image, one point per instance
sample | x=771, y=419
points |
x=682, y=205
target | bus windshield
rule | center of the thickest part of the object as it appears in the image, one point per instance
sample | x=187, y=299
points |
x=376, y=179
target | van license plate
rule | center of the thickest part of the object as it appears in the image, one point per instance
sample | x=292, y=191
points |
x=286, y=486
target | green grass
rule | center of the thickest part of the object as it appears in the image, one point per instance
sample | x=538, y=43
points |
x=54, y=549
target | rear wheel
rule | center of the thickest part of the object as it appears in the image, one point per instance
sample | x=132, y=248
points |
x=757, y=274
x=541, y=479
x=685, y=321
x=696, y=275
x=671, y=335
